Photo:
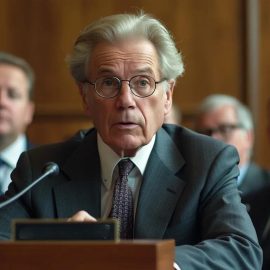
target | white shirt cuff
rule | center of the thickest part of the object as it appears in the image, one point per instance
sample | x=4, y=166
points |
x=176, y=267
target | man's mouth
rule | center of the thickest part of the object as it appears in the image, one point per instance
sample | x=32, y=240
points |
x=126, y=125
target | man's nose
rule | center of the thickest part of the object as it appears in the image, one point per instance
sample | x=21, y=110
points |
x=125, y=88
x=125, y=97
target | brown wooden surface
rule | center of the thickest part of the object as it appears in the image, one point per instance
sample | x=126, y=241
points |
x=211, y=35
x=263, y=140
x=131, y=255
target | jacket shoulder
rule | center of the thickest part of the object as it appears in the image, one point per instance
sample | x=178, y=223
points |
x=188, y=140
x=58, y=152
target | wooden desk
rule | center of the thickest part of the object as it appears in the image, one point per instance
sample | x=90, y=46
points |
x=74, y=255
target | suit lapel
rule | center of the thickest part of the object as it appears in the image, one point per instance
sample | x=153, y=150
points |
x=82, y=190
x=160, y=190
x=159, y=193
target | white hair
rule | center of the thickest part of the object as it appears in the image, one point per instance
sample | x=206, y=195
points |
x=117, y=27
x=214, y=101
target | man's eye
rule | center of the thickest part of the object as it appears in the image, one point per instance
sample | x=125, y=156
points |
x=226, y=128
x=143, y=83
x=13, y=94
x=108, y=82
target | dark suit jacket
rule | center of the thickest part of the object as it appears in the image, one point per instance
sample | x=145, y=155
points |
x=259, y=210
x=266, y=244
x=188, y=193
x=255, y=179
x=253, y=192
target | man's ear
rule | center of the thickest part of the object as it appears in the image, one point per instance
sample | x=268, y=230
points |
x=169, y=95
x=83, y=92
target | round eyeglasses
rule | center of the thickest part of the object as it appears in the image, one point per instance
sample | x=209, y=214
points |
x=225, y=130
x=141, y=86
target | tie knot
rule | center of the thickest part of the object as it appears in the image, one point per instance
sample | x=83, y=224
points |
x=125, y=166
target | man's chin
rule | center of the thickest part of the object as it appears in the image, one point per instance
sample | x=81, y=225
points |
x=127, y=147
x=4, y=133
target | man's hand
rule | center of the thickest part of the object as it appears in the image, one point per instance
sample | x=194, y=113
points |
x=82, y=216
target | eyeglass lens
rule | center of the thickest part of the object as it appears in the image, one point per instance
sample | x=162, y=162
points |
x=225, y=130
x=141, y=86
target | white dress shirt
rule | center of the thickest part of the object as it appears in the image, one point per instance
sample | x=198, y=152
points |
x=109, y=173
x=242, y=173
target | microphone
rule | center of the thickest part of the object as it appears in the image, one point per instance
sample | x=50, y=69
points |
x=49, y=169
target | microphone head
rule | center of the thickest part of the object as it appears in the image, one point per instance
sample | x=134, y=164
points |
x=51, y=167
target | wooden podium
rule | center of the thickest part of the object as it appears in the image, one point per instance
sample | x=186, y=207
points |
x=87, y=255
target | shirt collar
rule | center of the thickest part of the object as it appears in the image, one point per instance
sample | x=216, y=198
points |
x=109, y=159
x=12, y=153
x=242, y=173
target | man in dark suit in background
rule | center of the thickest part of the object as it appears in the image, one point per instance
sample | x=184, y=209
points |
x=16, y=112
x=264, y=200
x=180, y=184
x=260, y=213
x=227, y=119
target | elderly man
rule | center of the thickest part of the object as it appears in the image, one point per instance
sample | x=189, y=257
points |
x=16, y=112
x=170, y=181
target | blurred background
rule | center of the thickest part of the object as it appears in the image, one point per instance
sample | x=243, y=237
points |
x=225, y=45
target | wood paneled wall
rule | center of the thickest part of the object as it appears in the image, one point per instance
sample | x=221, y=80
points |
x=263, y=139
x=210, y=34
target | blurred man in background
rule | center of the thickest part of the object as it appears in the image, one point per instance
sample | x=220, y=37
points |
x=16, y=112
x=264, y=200
x=227, y=119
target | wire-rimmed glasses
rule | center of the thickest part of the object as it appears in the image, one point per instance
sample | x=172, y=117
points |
x=141, y=86
x=225, y=130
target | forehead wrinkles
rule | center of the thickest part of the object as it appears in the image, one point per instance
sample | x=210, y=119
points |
x=116, y=57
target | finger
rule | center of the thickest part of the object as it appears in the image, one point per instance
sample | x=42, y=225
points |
x=82, y=216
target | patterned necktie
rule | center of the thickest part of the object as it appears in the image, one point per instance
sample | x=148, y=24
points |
x=122, y=202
